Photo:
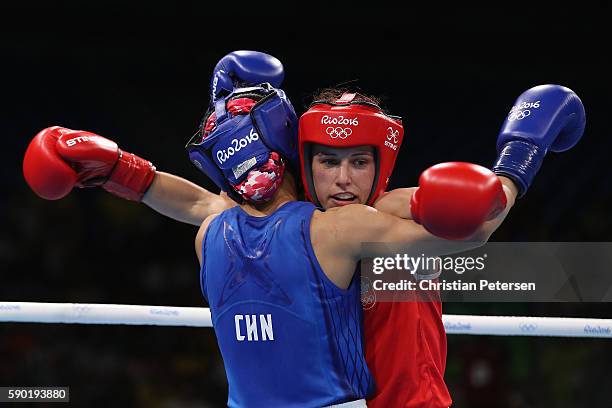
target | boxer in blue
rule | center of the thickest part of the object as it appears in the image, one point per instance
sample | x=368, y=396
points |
x=250, y=285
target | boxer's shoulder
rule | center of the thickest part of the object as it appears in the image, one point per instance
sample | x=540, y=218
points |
x=202, y=233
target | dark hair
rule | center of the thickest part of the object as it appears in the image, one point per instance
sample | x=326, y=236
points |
x=331, y=95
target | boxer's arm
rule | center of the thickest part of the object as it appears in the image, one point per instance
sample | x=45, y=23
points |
x=394, y=202
x=183, y=200
x=356, y=224
x=337, y=234
x=489, y=227
x=443, y=208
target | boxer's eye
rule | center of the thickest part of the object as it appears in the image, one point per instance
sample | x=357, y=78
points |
x=330, y=162
x=361, y=161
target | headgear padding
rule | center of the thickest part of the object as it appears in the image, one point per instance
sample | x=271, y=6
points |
x=349, y=123
x=240, y=142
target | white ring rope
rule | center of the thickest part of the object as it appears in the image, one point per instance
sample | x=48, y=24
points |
x=30, y=312
x=84, y=313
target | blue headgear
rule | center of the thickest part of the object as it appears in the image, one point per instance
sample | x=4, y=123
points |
x=240, y=143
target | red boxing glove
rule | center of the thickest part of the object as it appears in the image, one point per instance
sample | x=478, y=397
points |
x=454, y=199
x=58, y=159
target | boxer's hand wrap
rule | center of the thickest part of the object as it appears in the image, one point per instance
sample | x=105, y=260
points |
x=246, y=68
x=454, y=199
x=546, y=117
x=59, y=159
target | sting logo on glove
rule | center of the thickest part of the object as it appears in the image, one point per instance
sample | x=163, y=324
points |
x=74, y=141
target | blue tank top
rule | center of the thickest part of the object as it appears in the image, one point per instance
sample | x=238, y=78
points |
x=289, y=337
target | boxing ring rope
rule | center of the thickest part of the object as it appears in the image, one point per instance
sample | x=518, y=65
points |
x=81, y=313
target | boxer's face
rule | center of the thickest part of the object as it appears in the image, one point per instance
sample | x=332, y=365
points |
x=343, y=176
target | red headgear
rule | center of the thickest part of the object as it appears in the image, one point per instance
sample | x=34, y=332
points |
x=348, y=123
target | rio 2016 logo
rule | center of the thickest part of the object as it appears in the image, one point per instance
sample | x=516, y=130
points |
x=340, y=120
x=522, y=110
x=237, y=144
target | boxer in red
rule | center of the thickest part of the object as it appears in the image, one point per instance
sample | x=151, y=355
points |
x=348, y=157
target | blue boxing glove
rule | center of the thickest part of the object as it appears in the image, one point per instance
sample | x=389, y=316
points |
x=543, y=118
x=245, y=68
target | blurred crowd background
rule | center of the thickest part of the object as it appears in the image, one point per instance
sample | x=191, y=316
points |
x=139, y=73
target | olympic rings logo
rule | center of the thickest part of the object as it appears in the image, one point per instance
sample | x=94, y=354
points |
x=528, y=327
x=518, y=115
x=392, y=135
x=338, y=132
x=81, y=309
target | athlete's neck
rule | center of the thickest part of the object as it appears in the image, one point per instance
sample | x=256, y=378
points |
x=287, y=192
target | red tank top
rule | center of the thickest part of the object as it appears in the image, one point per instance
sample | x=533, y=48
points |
x=406, y=354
